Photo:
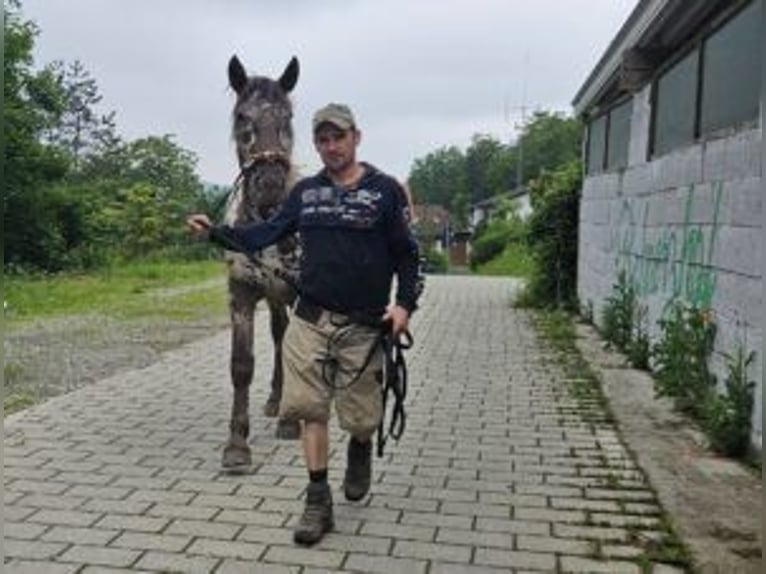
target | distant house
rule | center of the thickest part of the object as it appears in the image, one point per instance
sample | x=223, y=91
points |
x=484, y=209
x=434, y=231
x=431, y=225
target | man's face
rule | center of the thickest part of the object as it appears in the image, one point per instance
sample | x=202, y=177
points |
x=336, y=147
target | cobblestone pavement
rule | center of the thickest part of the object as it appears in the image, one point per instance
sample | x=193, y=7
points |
x=498, y=470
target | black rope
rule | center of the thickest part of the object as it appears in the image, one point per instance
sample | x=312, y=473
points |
x=395, y=383
x=330, y=364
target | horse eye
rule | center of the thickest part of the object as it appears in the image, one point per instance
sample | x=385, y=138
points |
x=246, y=136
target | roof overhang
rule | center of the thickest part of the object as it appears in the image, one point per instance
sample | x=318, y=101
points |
x=653, y=29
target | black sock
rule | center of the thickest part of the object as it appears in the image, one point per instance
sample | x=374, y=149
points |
x=359, y=444
x=318, y=476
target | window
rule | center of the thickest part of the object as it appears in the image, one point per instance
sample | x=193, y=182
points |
x=714, y=87
x=731, y=72
x=675, y=105
x=596, y=144
x=619, y=136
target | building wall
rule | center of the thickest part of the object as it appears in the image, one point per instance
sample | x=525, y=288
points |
x=686, y=225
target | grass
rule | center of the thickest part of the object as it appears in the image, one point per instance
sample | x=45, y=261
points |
x=129, y=291
x=17, y=401
x=558, y=330
x=515, y=261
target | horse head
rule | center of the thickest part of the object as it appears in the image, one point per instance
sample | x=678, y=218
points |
x=263, y=133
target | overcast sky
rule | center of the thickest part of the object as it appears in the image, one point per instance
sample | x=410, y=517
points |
x=419, y=74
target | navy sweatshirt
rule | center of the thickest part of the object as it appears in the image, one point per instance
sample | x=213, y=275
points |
x=353, y=241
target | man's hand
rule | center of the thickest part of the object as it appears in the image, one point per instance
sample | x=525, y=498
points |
x=199, y=224
x=399, y=318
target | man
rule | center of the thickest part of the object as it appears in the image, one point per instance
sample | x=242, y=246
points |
x=355, y=238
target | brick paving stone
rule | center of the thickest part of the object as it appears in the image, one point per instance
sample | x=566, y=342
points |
x=226, y=548
x=118, y=506
x=51, y=501
x=23, y=530
x=251, y=517
x=426, y=519
x=32, y=549
x=183, y=511
x=399, y=531
x=549, y=515
x=474, y=538
x=577, y=564
x=39, y=567
x=166, y=562
x=499, y=470
x=153, y=541
x=74, y=535
x=385, y=564
x=514, y=559
x=431, y=551
x=249, y=567
x=590, y=532
x=204, y=529
x=556, y=545
x=444, y=568
x=100, y=556
x=135, y=523
x=35, y=486
x=305, y=556
x=110, y=570
x=14, y=513
x=267, y=535
x=65, y=517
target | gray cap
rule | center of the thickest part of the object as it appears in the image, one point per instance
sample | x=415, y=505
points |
x=338, y=115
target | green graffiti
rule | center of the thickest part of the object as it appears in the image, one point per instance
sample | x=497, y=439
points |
x=678, y=262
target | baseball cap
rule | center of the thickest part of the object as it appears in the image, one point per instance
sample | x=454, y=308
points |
x=338, y=115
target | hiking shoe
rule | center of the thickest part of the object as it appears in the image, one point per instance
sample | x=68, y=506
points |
x=317, y=516
x=358, y=469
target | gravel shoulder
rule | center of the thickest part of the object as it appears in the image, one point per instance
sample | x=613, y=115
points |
x=49, y=357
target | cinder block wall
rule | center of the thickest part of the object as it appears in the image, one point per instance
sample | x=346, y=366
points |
x=686, y=225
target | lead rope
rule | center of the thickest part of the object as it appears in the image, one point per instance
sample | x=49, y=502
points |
x=395, y=383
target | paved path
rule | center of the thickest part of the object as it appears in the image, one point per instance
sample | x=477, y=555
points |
x=498, y=471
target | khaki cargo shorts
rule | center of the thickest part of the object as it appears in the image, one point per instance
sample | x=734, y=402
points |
x=321, y=361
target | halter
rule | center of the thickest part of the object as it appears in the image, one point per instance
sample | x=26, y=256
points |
x=262, y=157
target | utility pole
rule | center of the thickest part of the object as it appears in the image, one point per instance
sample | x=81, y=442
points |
x=520, y=125
x=520, y=146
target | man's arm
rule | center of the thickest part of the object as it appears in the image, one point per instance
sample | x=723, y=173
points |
x=254, y=236
x=405, y=252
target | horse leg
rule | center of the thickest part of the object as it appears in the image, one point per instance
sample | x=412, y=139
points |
x=285, y=429
x=236, y=453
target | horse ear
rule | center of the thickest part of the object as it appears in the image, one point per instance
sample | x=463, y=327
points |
x=290, y=75
x=237, y=75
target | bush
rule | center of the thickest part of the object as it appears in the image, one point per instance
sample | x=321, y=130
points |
x=681, y=357
x=491, y=239
x=727, y=416
x=435, y=261
x=553, y=237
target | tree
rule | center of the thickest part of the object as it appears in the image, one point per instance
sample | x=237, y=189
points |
x=80, y=130
x=31, y=102
x=140, y=194
x=480, y=156
x=549, y=140
x=440, y=178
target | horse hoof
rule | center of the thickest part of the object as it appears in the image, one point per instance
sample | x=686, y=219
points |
x=271, y=408
x=288, y=430
x=236, y=458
